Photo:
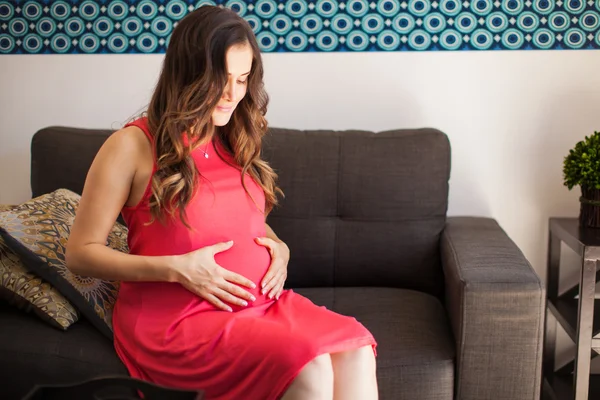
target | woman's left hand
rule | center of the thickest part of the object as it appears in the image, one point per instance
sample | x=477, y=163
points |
x=275, y=278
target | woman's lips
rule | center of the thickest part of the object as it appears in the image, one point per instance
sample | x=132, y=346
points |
x=224, y=109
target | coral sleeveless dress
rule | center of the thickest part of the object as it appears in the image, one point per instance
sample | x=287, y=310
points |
x=165, y=334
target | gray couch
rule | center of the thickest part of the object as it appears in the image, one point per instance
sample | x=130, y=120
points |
x=456, y=308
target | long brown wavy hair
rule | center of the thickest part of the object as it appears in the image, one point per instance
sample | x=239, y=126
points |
x=190, y=85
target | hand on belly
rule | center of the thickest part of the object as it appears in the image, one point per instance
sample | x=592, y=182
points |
x=250, y=260
x=224, y=274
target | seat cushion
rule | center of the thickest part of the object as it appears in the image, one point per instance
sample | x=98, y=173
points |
x=415, y=352
x=33, y=352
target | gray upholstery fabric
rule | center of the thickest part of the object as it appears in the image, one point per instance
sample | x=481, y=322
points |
x=32, y=352
x=496, y=307
x=415, y=352
x=369, y=206
x=62, y=156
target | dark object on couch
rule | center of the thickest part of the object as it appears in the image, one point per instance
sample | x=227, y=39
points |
x=456, y=308
x=111, y=388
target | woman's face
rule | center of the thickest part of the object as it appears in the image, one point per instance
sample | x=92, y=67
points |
x=238, y=62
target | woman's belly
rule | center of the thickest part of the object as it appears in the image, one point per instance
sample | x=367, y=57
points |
x=157, y=310
x=245, y=257
x=249, y=259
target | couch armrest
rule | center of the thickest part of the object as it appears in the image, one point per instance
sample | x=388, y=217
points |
x=495, y=301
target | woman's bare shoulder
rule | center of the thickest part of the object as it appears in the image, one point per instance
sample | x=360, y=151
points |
x=130, y=141
x=125, y=154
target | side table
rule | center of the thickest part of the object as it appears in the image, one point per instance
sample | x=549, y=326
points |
x=575, y=311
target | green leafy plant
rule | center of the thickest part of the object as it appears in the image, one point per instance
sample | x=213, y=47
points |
x=582, y=165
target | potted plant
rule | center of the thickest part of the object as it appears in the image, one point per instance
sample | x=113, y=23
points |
x=582, y=168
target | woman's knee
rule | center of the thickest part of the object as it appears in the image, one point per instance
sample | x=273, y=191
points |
x=318, y=372
x=365, y=353
x=315, y=380
x=363, y=358
x=320, y=365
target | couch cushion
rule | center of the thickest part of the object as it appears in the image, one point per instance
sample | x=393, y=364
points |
x=415, y=348
x=415, y=352
x=369, y=206
x=32, y=352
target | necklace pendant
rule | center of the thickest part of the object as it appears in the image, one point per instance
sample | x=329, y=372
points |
x=205, y=155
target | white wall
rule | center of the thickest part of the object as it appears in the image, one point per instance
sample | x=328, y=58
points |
x=511, y=116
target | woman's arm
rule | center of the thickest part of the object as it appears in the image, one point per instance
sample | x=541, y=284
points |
x=109, y=184
x=106, y=190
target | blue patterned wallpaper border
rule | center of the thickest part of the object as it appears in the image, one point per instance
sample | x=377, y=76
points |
x=117, y=26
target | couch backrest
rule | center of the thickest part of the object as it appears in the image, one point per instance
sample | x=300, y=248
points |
x=360, y=208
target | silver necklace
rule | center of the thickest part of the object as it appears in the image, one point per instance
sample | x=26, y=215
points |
x=205, y=153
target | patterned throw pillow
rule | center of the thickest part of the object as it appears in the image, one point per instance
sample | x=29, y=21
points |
x=38, y=230
x=29, y=293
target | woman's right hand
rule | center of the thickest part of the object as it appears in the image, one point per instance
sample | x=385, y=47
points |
x=198, y=272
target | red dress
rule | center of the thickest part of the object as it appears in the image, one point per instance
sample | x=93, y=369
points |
x=165, y=334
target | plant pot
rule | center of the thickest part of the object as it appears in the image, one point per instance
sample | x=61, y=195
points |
x=589, y=213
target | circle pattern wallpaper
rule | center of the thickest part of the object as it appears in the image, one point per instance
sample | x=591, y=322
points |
x=119, y=26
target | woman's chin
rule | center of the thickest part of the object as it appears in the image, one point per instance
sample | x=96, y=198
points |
x=221, y=120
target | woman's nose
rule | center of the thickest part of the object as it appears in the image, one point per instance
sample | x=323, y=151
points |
x=229, y=93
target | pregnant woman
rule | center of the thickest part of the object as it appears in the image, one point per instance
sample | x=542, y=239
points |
x=202, y=303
